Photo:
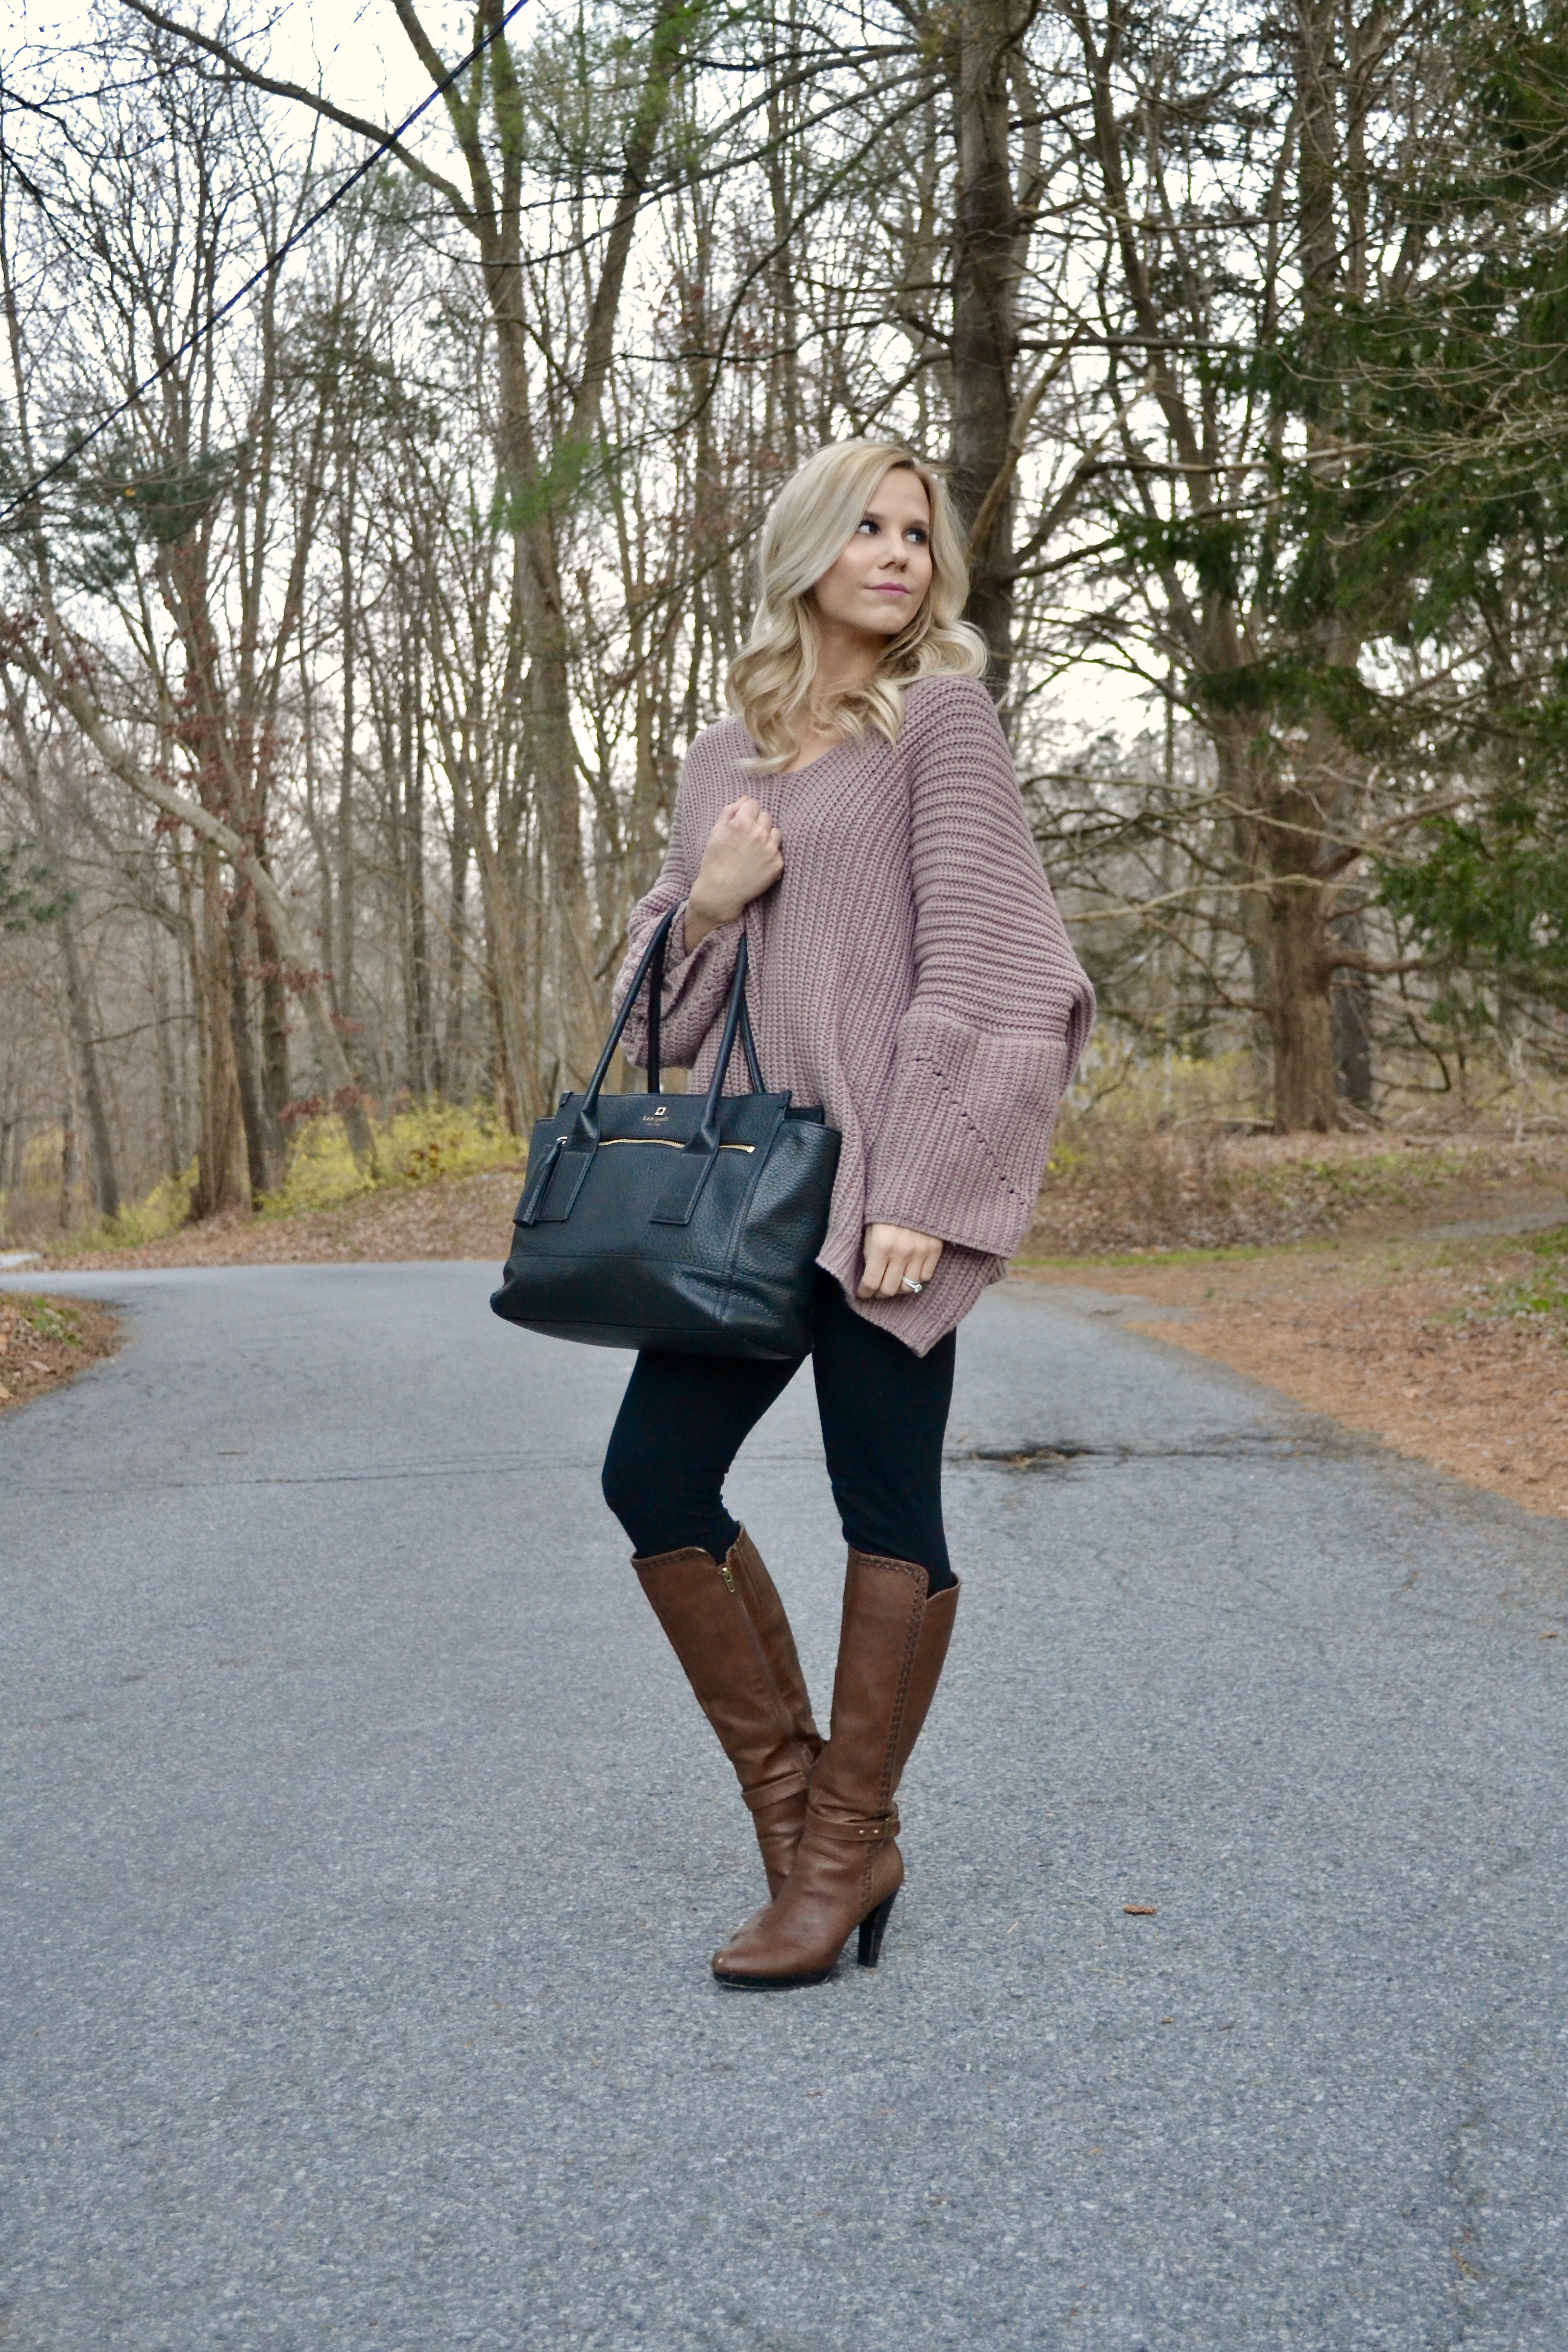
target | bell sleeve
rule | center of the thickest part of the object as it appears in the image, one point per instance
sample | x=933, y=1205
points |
x=1002, y=1008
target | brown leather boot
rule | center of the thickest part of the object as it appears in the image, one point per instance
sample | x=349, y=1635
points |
x=848, y=1867
x=727, y=1625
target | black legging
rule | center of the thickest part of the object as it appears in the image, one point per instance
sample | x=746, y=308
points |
x=883, y=1411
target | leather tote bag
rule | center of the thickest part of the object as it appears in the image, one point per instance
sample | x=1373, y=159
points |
x=685, y=1222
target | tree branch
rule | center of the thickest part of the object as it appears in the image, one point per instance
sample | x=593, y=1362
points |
x=356, y=124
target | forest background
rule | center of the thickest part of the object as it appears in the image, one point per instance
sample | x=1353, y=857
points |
x=348, y=672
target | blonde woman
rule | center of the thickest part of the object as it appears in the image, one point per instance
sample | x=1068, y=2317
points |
x=860, y=821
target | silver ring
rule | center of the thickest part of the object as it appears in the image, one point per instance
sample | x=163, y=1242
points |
x=910, y=1284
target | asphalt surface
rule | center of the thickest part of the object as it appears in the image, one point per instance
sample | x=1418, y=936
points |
x=364, y=1851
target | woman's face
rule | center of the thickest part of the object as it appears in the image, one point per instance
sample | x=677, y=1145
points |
x=882, y=578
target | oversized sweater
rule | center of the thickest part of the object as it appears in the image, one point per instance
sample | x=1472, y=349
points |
x=908, y=972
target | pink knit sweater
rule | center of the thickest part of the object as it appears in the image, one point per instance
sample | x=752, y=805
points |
x=910, y=972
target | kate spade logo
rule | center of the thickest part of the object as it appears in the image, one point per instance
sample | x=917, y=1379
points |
x=660, y=1113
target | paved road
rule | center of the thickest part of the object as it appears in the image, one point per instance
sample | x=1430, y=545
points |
x=363, y=1853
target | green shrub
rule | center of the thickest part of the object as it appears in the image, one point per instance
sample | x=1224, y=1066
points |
x=414, y=1146
x=158, y=1214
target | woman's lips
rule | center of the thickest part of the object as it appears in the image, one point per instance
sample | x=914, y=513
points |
x=888, y=588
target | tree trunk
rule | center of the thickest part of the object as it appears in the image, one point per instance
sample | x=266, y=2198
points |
x=220, y=1183
x=450, y=1075
x=1313, y=1090
x=1281, y=835
x=1352, y=1014
x=553, y=749
x=419, y=1007
x=274, y=1046
x=245, y=1053
x=985, y=338
x=105, y=1175
x=343, y=966
x=786, y=407
x=68, y=1173
x=1299, y=1008
x=78, y=1002
x=168, y=1085
x=514, y=1093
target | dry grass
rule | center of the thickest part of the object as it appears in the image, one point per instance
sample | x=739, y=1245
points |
x=1112, y=1187
x=44, y=1342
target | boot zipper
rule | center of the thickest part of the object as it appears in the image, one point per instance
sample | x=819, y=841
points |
x=756, y=1640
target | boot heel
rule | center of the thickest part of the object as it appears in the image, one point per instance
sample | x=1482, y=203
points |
x=873, y=1927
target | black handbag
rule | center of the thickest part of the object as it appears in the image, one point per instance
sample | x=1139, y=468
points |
x=685, y=1222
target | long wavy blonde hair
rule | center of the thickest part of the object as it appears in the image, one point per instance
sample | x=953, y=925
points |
x=773, y=681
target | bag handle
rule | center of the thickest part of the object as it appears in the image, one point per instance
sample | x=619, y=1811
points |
x=737, y=1020
x=735, y=1015
x=655, y=1003
x=690, y=1172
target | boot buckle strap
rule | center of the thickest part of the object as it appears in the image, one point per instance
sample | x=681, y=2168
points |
x=880, y=1832
x=849, y=1829
x=762, y=1793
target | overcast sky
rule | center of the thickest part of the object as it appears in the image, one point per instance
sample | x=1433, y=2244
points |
x=354, y=49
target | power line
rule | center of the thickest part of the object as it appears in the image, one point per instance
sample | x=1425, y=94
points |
x=272, y=262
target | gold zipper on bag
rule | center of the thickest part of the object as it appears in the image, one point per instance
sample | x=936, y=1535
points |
x=665, y=1142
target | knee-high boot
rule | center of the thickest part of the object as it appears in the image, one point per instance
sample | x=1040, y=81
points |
x=848, y=1868
x=727, y=1625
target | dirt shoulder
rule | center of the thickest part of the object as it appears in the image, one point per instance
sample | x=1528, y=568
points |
x=1410, y=1341
x=44, y=1342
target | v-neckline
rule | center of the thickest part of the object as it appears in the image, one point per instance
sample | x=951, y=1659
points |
x=832, y=752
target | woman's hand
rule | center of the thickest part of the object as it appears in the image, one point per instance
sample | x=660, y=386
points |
x=894, y=1254
x=744, y=856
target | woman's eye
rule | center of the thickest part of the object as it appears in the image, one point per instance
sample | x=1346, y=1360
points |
x=868, y=525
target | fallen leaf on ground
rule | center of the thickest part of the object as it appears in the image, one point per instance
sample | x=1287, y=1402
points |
x=78, y=1332
x=1141, y=1910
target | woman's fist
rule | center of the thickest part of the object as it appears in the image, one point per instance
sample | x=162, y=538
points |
x=896, y=1257
x=744, y=856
